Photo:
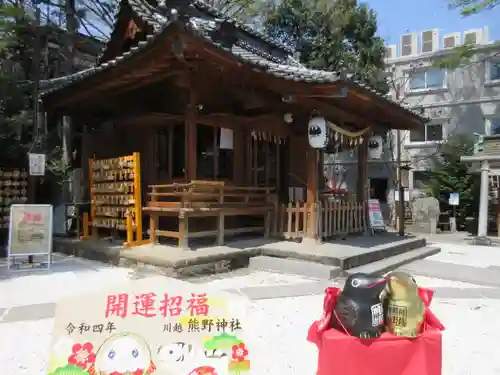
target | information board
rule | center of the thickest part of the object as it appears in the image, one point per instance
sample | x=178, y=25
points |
x=30, y=234
x=375, y=215
x=153, y=326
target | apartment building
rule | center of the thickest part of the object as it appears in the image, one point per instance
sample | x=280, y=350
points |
x=461, y=100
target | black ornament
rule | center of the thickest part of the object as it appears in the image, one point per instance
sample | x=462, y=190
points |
x=373, y=144
x=359, y=309
x=314, y=130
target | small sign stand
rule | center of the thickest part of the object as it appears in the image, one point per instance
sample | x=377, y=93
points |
x=30, y=234
x=454, y=201
x=376, y=219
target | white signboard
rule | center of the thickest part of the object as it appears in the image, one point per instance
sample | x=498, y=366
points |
x=154, y=326
x=454, y=199
x=37, y=164
x=226, y=139
x=316, y=132
x=375, y=214
x=30, y=234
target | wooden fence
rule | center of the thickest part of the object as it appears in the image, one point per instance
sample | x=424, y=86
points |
x=334, y=218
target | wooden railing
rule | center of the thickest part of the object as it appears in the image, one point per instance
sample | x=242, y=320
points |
x=333, y=219
x=340, y=218
x=199, y=199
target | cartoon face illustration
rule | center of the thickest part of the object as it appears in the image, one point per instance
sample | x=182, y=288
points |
x=175, y=352
x=125, y=353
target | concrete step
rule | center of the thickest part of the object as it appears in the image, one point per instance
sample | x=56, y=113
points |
x=295, y=267
x=380, y=252
x=393, y=262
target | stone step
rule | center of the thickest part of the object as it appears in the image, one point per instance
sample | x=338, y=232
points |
x=393, y=262
x=380, y=252
x=294, y=266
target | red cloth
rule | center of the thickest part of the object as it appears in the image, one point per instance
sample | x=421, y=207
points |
x=340, y=353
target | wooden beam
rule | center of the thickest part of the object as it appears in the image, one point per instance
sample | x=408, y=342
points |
x=141, y=81
x=225, y=120
x=329, y=110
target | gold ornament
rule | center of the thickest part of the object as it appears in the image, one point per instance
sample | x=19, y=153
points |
x=405, y=309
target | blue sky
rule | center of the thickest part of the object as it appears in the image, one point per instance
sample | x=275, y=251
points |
x=397, y=17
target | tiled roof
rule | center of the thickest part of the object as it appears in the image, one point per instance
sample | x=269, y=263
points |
x=280, y=64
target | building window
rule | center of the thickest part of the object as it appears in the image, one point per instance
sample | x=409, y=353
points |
x=420, y=179
x=494, y=70
x=432, y=78
x=431, y=133
x=495, y=126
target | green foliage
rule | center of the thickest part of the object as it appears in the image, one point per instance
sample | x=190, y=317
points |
x=449, y=175
x=337, y=36
x=470, y=7
x=16, y=101
x=8, y=26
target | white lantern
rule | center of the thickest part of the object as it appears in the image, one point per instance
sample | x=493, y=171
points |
x=317, y=132
x=375, y=147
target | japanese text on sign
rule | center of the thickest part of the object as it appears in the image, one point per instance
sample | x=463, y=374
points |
x=150, y=305
x=205, y=325
x=83, y=327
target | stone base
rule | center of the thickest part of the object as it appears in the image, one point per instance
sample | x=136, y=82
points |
x=481, y=241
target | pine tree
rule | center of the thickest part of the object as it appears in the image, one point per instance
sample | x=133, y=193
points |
x=449, y=175
x=338, y=36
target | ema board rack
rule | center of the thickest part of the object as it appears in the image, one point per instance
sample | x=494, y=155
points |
x=115, y=195
x=13, y=190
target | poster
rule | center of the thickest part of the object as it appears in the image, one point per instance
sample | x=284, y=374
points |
x=375, y=214
x=226, y=139
x=37, y=164
x=30, y=229
x=151, y=326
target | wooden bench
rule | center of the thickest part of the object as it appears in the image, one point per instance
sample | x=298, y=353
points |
x=207, y=199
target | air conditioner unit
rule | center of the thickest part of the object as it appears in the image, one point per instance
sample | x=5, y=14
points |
x=390, y=52
x=430, y=40
x=451, y=40
x=409, y=44
x=476, y=36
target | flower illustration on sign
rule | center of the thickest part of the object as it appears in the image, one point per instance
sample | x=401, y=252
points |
x=239, y=362
x=204, y=370
x=82, y=355
x=240, y=352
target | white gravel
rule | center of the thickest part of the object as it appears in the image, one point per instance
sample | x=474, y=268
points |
x=280, y=326
x=432, y=282
x=69, y=276
x=257, y=278
x=468, y=255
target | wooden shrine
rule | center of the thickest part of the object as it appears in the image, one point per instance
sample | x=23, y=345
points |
x=219, y=113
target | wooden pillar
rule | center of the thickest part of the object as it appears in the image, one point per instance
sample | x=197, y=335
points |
x=362, y=171
x=239, y=166
x=85, y=156
x=312, y=191
x=498, y=211
x=190, y=135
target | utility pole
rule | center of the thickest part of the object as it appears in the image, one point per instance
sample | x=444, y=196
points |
x=400, y=208
x=35, y=66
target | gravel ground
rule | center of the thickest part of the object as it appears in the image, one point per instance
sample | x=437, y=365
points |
x=468, y=255
x=280, y=326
